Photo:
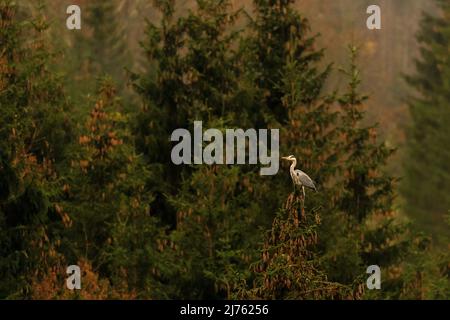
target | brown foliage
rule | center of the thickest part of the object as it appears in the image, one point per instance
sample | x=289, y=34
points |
x=53, y=285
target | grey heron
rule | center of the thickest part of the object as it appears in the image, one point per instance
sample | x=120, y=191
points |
x=299, y=178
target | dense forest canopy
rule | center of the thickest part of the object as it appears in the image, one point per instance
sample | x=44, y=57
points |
x=87, y=179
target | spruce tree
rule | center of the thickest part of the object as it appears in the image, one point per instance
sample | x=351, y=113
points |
x=367, y=188
x=209, y=207
x=426, y=182
x=106, y=43
x=289, y=268
x=280, y=34
x=365, y=229
x=34, y=130
x=99, y=49
x=107, y=201
x=283, y=62
x=325, y=133
x=192, y=76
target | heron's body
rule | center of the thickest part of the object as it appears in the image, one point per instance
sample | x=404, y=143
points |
x=299, y=178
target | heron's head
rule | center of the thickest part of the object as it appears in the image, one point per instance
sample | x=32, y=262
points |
x=289, y=158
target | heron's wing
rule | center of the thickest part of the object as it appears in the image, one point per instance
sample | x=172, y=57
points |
x=305, y=179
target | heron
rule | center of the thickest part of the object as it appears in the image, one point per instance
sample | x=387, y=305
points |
x=299, y=178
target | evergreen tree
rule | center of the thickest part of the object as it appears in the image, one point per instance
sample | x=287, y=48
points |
x=366, y=188
x=355, y=195
x=100, y=49
x=34, y=130
x=364, y=230
x=216, y=221
x=281, y=35
x=289, y=267
x=107, y=46
x=198, y=78
x=426, y=184
x=107, y=202
x=192, y=76
x=283, y=61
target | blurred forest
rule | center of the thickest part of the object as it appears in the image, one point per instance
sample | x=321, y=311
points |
x=86, y=176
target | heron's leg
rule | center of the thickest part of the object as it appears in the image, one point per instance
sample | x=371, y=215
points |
x=302, y=202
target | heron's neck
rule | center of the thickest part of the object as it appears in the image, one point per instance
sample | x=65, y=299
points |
x=294, y=163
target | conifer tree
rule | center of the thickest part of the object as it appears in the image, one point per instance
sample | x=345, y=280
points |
x=367, y=189
x=107, y=45
x=331, y=144
x=195, y=79
x=100, y=49
x=211, y=207
x=289, y=268
x=215, y=233
x=283, y=62
x=364, y=230
x=426, y=182
x=34, y=130
x=281, y=35
x=107, y=201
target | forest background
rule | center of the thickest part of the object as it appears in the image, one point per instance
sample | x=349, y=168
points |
x=86, y=177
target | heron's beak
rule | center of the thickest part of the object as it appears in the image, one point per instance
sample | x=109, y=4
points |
x=285, y=158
